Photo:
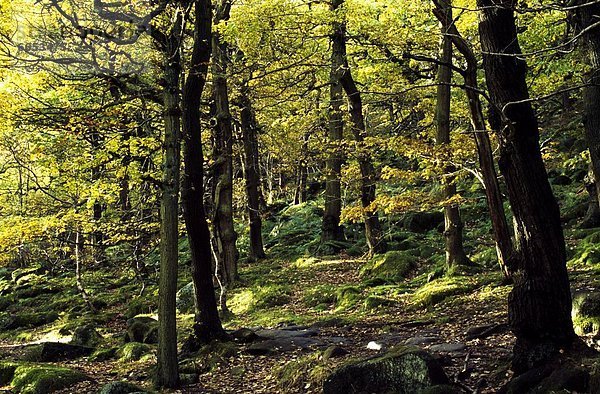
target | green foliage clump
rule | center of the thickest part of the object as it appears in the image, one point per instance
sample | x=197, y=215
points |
x=298, y=227
x=391, y=267
x=587, y=251
x=42, y=379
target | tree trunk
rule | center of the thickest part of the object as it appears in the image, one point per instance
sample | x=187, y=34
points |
x=251, y=154
x=540, y=302
x=331, y=229
x=207, y=322
x=300, y=196
x=223, y=167
x=501, y=229
x=585, y=17
x=453, y=230
x=167, y=368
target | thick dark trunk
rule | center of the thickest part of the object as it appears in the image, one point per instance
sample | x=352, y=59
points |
x=453, y=228
x=586, y=16
x=167, y=368
x=540, y=302
x=501, y=229
x=223, y=168
x=331, y=229
x=250, y=140
x=207, y=322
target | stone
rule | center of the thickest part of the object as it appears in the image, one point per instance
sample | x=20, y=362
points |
x=567, y=377
x=448, y=347
x=43, y=379
x=133, y=351
x=278, y=334
x=55, y=351
x=188, y=378
x=389, y=267
x=244, y=335
x=22, y=320
x=374, y=346
x=402, y=370
x=586, y=313
x=484, y=331
x=280, y=345
x=103, y=354
x=334, y=352
x=413, y=341
x=142, y=329
x=86, y=335
x=185, y=298
x=119, y=388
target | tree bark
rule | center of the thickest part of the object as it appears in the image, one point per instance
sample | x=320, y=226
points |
x=586, y=16
x=251, y=154
x=592, y=216
x=300, y=196
x=207, y=322
x=540, y=302
x=331, y=229
x=223, y=167
x=167, y=368
x=453, y=228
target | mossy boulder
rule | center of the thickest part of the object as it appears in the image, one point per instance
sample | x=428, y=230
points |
x=86, y=335
x=374, y=302
x=55, y=351
x=28, y=320
x=347, y=296
x=402, y=370
x=586, y=313
x=101, y=355
x=440, y=289
x=133, y=351
x=119, y=388
x=42, y=379
x=390, y=267
x=139, y=306
x=142, y=329
x=185, y=298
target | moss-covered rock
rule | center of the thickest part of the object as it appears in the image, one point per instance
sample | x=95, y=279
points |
x=439, y=289
x=7, y=371
x=374, y=302
x=402, y=370
x=103, y=354
x=185, y=298
x=142, y=329
x=133, y=351
x=28, y=320
x=119, y=388
x=390, y=267
x=139, y=306
x=586, y=313
x=86, y=335
x=347, y=296
x=55, y=351
x=42, y=379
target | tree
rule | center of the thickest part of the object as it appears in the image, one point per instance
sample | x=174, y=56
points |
x=224, y=230
x=540, y=301
x=453, y=231
x=207, y=324
x=586, y=23
x=331, y=229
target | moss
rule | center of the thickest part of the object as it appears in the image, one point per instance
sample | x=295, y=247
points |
x=319, y=295
x=103, y=354
x=38, y=379
x=374, y=302
x=303, y=373
x=389, y=267
x=586, y=325
x=440, y=289
x=347, y=296
x=133, y=351
x=260, y=298
x=214, y=354
x=139, y=306
x=30, y=320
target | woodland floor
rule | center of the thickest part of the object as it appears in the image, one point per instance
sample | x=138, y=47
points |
x=481, y=367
